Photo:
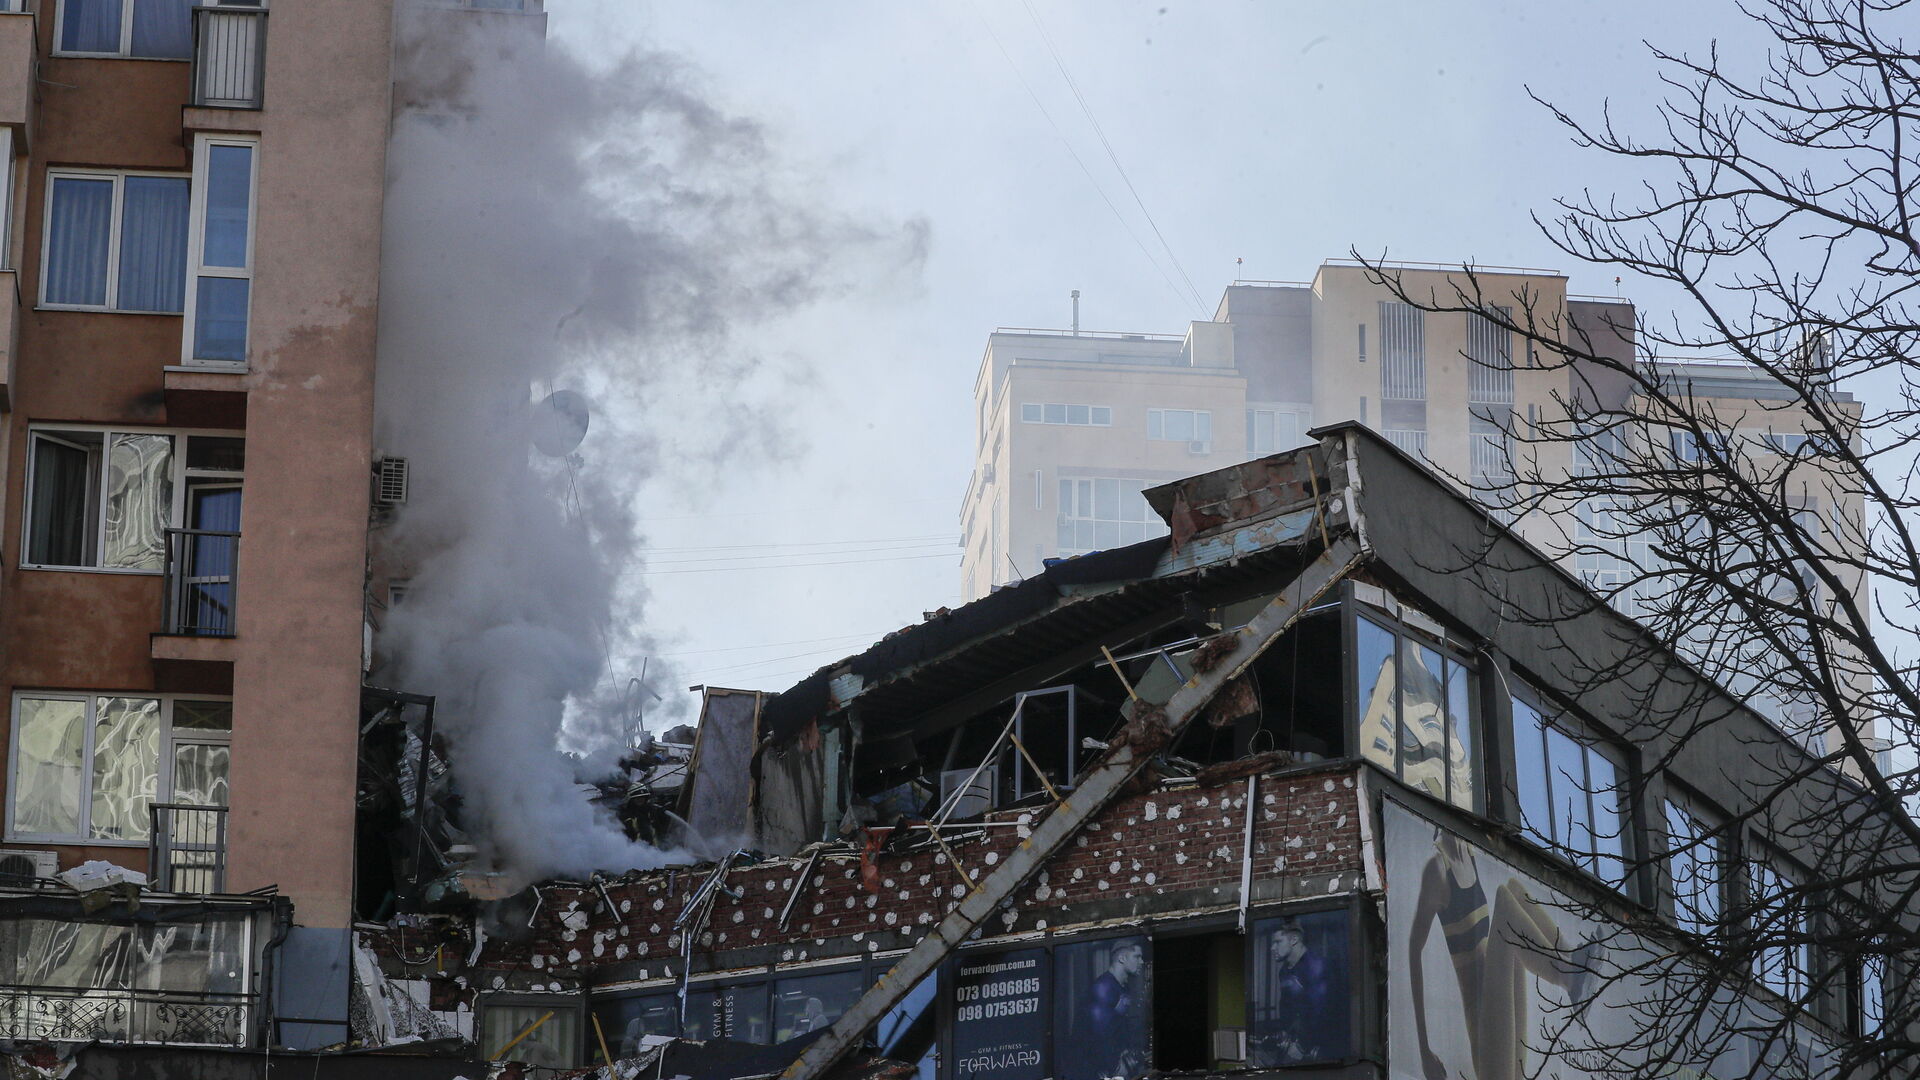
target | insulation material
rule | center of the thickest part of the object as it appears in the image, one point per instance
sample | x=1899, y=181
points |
x=789, y=804
x=720, y=786
x=384, y=1013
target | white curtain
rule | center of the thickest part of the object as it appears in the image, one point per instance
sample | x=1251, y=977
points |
x=90, y=26
x=153, y=243
x=80, y=230
x=163, y=29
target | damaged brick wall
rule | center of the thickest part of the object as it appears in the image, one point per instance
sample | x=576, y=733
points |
x=1168, y=851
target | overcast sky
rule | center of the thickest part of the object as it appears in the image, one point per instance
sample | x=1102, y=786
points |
x=1275, y=132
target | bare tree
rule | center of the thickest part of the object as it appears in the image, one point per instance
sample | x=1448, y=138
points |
x=1771, y=542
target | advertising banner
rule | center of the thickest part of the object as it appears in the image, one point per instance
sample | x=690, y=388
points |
x=1488, y=968
x=1302, y=1004
x=1000, y=1016
x=1101, y=1010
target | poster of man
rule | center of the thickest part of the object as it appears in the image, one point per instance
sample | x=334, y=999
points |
x=1302, y=1006
x=1101, y=1009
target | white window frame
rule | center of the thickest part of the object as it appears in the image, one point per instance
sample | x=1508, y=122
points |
x=118, y=176
x=163, y=777
x=196, y=247
x=177, y=512
x=1302, y=419
x=125, y=52
x=1157, y=418
x=1093, y=414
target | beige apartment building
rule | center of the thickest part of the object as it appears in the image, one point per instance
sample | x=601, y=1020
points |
x=1072, y=425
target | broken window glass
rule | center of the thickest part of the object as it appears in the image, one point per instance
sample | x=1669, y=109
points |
x=910, y=1031
x=126, y=756
x=49, y=775
x=626, y=1022
x=552, y=1044
x=139, y=497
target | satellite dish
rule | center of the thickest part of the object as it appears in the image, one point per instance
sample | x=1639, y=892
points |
x=559, y=423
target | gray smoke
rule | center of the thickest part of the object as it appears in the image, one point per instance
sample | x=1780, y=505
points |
x=602, y=230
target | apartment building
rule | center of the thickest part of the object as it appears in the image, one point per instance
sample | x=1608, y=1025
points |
x=191, y=266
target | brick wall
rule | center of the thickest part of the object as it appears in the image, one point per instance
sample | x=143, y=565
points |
x=1170, y=850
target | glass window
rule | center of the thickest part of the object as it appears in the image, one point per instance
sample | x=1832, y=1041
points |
x=1103, y=512
x=548, y=1034
x=812, y=1003
x=1779, y=917
x=1180, y=425
x=139, y=501
x=1031, y=414
x=142, y=29
x=105, y=499
x=626, y=1022
x=1694, y=862
x=1302, y=1011
x=1572, y=797
x=910, y=1030
x=999, y=1016
x=87, y=768
x=50, y=767
x=1067, y=413
x=141, y=266
x=1101, y=1009
x=1056, y=414
x=1415, y=709
x=222, y=258
x=1872, y=1011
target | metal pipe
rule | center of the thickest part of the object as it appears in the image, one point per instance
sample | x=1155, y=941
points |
x=1246, y=853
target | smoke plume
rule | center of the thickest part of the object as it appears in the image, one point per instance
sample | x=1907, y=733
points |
x=549, y=225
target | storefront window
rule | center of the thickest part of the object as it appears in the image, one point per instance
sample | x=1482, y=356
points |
x=1101, y=1009
x=1301, y=980
x=813, y=1002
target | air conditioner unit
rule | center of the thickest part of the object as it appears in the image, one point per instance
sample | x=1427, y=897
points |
x=1200, y=446
x=19, y=866
x=390, y=482
x=1230, y=1044
x=977, y=799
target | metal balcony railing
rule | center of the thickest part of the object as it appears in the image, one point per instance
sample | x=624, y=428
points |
x=187, y=849
x=229, y=56
x=94, y=1014
x=200, y=583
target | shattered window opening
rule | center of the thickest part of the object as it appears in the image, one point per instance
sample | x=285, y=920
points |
x=88, y=767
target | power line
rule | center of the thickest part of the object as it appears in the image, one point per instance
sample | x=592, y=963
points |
x=1071, y=152
x=794, y=554
x=789, y=566
x=1047, y=39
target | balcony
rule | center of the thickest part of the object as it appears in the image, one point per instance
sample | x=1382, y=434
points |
x=187, y=848
x=229, y=57
x=200, y=583
x=97, y=1014
x=19, y=59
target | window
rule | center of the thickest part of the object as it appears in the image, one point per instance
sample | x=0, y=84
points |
x=1695, y=868
x=1490, y=446
x=1270, y=431
x=1416, y=716
x=1571, y=794
x=115, y=241
x=542, y=1031
x=105, y=499
x=1778, y=915
x=1302, y=1004
x=1103, y=512
x=1490, y=358
x=221, y=253
x=1870, y=1000
x=1075, y=415
x=1403, y=352
x=1692, y=448
x=1362, y=328
x=1180, y=425
x=87, y=766
x=141, y=29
